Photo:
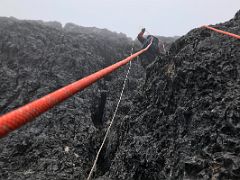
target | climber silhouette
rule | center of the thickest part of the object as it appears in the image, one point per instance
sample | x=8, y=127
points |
x=154, y=49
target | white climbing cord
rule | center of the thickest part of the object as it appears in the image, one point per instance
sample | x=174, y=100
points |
x=164, y=47
x=111, y=123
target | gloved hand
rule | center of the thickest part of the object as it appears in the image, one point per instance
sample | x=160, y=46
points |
x=143, y=30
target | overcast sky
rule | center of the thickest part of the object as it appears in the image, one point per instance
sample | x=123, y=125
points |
x=160, y=17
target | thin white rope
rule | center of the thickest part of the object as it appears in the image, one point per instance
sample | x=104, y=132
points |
x=164, y=47
x=111, y=123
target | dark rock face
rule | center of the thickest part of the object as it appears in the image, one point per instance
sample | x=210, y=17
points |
x=37, y=58
x=237, y=16
x=182, y=123
x=186, y=122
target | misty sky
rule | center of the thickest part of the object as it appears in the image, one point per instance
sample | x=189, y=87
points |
x=160, y=17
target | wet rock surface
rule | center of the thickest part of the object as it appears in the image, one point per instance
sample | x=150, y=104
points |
x=37, y=58
x=185, y=124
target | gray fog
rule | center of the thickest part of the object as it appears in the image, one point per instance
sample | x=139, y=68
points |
x=160, y=17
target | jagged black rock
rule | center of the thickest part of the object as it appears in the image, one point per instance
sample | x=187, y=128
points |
x=186, y=123
x=37, y=58
x=181, y=123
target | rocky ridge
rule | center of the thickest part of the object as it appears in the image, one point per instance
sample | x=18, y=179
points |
x=39, y=57
x=182, y=123
x=186, y=122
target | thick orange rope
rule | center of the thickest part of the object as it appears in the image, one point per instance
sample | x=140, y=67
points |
x=222, y=32
x=17, y=118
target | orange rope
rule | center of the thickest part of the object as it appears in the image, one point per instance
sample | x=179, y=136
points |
x=222, y=32
x=17, y=118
